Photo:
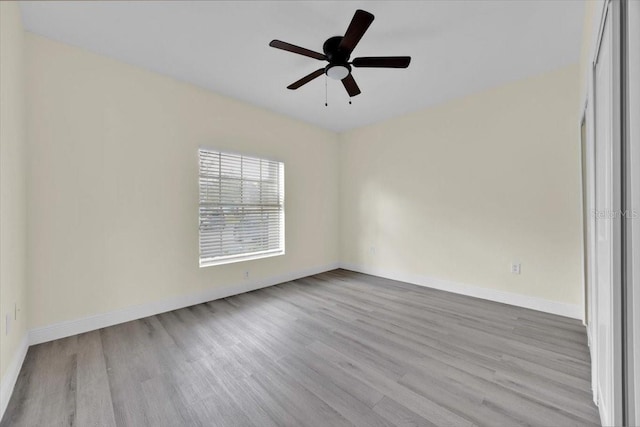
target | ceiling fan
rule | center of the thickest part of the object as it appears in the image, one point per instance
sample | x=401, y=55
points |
x=337, y=51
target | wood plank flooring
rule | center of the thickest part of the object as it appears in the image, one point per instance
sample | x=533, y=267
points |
x=335, y=349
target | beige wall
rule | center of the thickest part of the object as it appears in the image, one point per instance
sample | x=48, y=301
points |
x=113, y=204
x=455, y=192
x=591, y=15
x=458, y=192
x=13, y=284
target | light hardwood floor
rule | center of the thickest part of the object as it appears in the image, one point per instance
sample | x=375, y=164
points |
x=335, y=349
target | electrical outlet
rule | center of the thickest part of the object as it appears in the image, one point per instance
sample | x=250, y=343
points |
x=7, y=324
x=515, y=268
x=372, y=250
x=246, y=274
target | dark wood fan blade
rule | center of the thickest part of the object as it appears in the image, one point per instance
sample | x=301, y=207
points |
x=306, y=79
x=296, y=49
x=382, y=61
x=351, y=86
x=359, y=24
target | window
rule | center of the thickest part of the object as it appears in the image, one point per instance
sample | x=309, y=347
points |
x=241, y=207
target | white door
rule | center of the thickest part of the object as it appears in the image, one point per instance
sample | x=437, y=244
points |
x=604, y=225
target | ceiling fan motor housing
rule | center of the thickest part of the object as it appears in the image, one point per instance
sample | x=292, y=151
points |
x=338, y=67
x=333, y=53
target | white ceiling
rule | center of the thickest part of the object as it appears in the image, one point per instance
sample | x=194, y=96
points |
x=457, y=47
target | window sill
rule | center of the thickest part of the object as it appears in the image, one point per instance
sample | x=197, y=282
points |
x=236, y=258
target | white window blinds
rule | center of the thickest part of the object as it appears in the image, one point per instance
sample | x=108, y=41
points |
x=241, y=207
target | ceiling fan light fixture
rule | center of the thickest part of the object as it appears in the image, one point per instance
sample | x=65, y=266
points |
x=337, y=72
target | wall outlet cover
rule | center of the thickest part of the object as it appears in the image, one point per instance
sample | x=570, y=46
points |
x=8, y=319
x=515, y=268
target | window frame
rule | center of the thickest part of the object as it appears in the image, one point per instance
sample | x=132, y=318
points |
x=229, y=259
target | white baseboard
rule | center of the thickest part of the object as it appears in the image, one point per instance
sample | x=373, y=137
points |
x=592, y=352
x=563, y=309
x=103, y=320
x=602, y=409
x=8, y=382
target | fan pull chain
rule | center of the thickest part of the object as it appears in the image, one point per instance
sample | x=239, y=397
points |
x=326, y=104
x=349, y=100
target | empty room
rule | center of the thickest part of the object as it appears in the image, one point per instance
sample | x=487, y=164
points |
x=320, y=213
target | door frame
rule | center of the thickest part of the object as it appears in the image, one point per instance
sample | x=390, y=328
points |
x=624, y=16
x=611, y=14
x=630, y=34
